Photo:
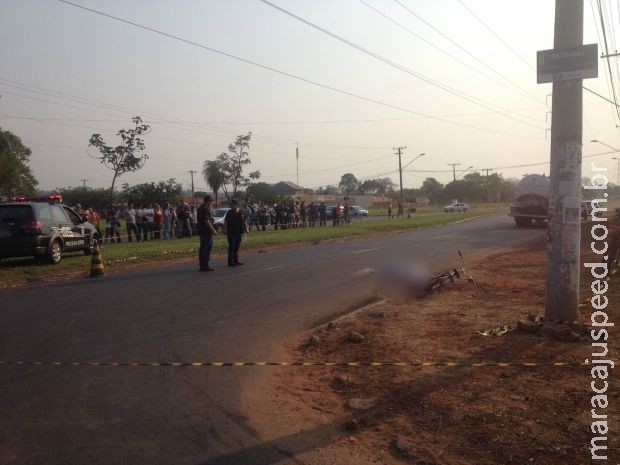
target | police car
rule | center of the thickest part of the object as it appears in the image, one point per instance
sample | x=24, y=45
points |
x=43, y=228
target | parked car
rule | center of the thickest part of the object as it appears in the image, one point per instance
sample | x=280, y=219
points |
x=357, y=211
x=329, y=212
x=456, y=207
x=218, y=219
x=44, y=228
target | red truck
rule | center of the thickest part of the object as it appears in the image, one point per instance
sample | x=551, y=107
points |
x=531, y=200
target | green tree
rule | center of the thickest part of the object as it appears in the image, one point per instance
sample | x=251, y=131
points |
x=126, y=157
x=327, y=190
x=348, y=183
x=472, y=187
x=150, y=192
x=16, y=178
x=96, y=198
x=433, y=189
x=231, y=165
x=263, y=192
x=213, y=176
x=381, y=186
x=495, y=184
x=507, y=190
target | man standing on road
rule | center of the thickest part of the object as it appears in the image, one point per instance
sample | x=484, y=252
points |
x=235, y=226
x=204, y=225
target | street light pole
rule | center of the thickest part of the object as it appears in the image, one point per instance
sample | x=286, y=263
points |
x=400, y=170
x=456, y=177
x=421, y=155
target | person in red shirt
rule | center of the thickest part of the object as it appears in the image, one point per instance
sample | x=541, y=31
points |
x=158, y=221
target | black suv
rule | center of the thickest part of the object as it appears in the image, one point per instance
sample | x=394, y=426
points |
x=43, y=229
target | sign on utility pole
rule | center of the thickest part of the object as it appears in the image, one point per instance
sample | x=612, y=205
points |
x=566, y=65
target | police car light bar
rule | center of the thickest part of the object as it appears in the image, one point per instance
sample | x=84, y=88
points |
x=54, y=198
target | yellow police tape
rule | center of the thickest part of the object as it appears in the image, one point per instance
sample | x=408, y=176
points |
x=302, y=364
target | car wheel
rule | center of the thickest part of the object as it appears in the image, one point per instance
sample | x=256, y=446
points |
x=54, y=253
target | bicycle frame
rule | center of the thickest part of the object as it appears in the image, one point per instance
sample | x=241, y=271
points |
x=439, y=280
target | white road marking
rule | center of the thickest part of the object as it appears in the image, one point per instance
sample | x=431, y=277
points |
x=261, y=270
x=371, y=250
x=235, y=275
x=363, y=272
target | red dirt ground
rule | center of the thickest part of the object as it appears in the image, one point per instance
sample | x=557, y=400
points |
x=448, y=415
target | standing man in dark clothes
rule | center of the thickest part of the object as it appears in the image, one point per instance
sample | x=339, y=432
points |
x=322, y=214
x=206, y=231
x=279, y=210
x=234, y=226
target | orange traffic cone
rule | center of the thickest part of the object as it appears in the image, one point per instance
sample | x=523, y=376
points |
x=96, y=262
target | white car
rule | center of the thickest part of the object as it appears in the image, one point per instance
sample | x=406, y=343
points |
x=357, y=211
x=456, y=207
x=218, y=218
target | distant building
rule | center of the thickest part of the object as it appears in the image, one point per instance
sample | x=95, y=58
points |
x=288, y=188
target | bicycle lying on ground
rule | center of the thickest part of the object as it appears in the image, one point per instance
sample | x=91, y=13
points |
x=438, y=281
x=414, y=280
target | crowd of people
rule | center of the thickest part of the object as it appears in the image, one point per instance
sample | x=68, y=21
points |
x=293, y=214
x=165, y=221
x=143, y=222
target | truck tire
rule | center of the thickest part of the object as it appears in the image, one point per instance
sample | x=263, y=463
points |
x=521, y=222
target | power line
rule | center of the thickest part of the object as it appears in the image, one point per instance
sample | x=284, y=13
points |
x=460, y=47
x=60, y=122
x=599, y=95
x=514, y=87
x=184, y=141
x=292, y=76
x=611, y=76
x=280, y=123
x=396, y=65
x=497, y=35
x=96, y=103
x=117, y=108
x=598, y=34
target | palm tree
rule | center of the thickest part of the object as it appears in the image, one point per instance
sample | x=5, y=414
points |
x=213, y=176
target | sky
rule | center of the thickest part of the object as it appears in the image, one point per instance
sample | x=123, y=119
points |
x=453, y=79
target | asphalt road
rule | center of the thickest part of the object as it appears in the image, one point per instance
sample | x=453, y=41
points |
x=156, y=415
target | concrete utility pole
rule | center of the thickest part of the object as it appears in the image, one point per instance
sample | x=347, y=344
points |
x=453, y=165
x=565, y=174
x=84, y=182
x=192, y=173
x=487, y=183
x=400, y=170
x=297, y=157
